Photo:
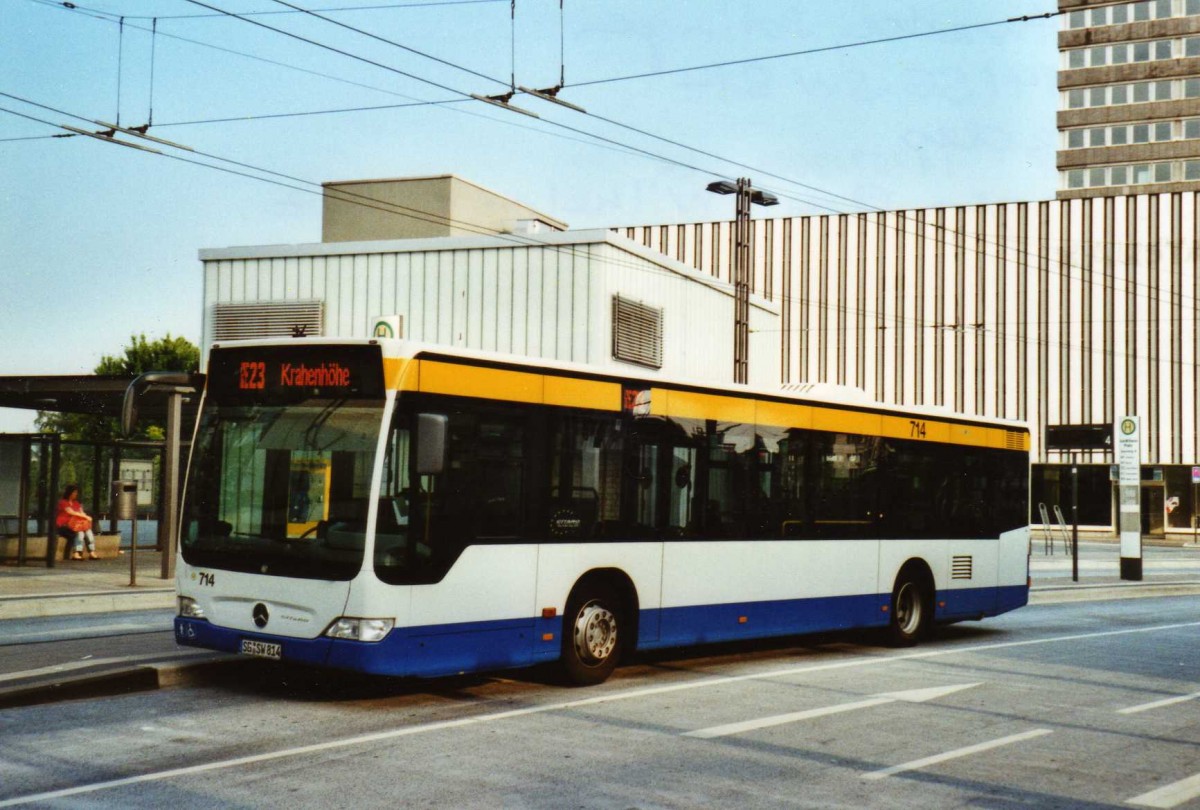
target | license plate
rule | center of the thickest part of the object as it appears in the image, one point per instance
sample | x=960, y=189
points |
x=262, y=649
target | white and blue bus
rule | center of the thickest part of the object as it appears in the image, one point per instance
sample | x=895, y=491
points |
x=411, y=510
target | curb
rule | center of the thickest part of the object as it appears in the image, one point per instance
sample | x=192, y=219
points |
x=141, y=678
x=73, y=604
x=1050, y=595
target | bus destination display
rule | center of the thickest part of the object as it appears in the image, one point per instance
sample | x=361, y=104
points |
x=273, y=373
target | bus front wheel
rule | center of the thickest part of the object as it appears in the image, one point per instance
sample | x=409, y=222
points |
x=591, y=635
x=912, y=610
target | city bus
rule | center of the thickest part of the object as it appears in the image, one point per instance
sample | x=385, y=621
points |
x=415, y=510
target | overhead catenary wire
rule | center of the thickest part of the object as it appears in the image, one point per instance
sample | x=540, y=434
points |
x=610, y=141
x=650, y=154
x=312, y=12
x=884, y=321
x=705, y=153
x=822, y=49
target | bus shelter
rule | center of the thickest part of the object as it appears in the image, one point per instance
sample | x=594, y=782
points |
x=35, y=467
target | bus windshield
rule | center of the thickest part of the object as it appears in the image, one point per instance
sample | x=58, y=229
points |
x=282, y=489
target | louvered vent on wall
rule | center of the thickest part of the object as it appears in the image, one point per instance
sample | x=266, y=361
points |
x=961, y=567
x=1014, y=440
x=637, y=332
x=266, y=319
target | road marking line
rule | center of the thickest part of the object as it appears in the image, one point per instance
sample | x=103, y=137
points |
x=911, y=696
x=957, y=754
x=780, y=719
x=1158, y=704
x=1171, y=795
x=575, y=704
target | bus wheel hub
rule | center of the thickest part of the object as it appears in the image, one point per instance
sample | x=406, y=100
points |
x=595, y=633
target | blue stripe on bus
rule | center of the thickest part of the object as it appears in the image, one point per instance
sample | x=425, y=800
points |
x=436, y=650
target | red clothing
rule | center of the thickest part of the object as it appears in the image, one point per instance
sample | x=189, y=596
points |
x=73, y=522
x=62, y=517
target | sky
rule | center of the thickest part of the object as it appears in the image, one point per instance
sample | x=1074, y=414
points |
x=99, y=242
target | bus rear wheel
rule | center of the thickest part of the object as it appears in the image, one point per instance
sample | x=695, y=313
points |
x=591, y=635
x=912, y=611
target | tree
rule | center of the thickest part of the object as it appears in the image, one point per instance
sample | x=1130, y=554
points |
x=141, y=355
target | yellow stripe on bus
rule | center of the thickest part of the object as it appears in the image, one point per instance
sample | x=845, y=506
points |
x=485, y=383
x=439, y=377
x=571, y=392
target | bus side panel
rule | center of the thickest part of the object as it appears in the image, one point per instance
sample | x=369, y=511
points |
x=1014, y=570
x=973, y=578
x=480, y=616
x=561, y=565
x=720, y=591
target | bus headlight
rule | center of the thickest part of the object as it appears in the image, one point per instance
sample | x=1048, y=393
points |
x=188, y=609
x=360, y=629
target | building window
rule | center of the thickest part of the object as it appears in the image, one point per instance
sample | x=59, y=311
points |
x=1077, y=19
x=1096, y=177
x=1191, y=46
x=1119, y=175
x=1141, y=174
x=1192, y=7
x=1163, y=49
x=1191, y=170
x=1141, y=11
x=1075, y=139
x=1162, y=91
x=1141, y=133
x=1075, y=178
x=1141, y=92
x=1162, y=131
x=1099, y=56
x=1120, y=136
x=1120, y=14
x=1141, y=52
x=1191, y=127
x=1120, y=54
x=1097, y=136
x=1162, y=172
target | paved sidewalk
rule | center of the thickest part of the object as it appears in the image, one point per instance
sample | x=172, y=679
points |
x=75, y=587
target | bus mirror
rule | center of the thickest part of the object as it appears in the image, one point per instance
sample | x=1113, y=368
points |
x=431, y=443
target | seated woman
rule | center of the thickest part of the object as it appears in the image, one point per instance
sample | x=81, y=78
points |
x=73, y=522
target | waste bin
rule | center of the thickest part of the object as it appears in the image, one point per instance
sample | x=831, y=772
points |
x=124, y=500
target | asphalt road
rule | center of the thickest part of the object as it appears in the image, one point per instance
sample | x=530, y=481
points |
x=1069, y=705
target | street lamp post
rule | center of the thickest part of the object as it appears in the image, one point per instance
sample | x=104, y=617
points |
x=746, y=195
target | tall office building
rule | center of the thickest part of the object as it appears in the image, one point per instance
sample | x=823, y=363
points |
x=1129, y=97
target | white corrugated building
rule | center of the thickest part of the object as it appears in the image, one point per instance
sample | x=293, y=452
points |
x=516, y=282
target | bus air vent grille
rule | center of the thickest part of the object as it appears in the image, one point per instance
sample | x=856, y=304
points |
x=268, y=319
x=961, y=567
x=1014, y=440
x=637, y=335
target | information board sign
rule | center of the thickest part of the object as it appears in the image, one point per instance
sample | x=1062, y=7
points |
x=1129, y=450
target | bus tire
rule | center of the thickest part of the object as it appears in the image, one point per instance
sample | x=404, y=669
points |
x=592, y=628
x=912, y=609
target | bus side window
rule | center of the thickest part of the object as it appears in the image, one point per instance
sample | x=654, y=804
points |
x=585, y=476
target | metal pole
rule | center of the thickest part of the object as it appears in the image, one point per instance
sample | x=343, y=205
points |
x=1074, y=519
x=169, y=509
x=23, y=496
x=741, y=284
x=52, y=501
x=133, y=541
